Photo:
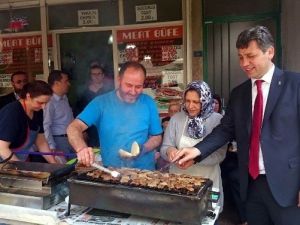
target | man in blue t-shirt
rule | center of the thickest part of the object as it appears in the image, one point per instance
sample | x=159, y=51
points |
x=121, y=117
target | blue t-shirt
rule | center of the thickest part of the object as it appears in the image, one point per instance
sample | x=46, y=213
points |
x=119, y=124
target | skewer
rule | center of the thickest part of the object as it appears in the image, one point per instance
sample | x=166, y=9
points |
x=111, y=172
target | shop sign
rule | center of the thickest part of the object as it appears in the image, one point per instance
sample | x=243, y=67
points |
x=145, y=13
x=162, y=44
x=88, y=17
x=21, y=53
x=5, y=80
x=34, y=41
x=146, y=34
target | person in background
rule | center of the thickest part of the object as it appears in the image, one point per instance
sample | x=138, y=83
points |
x=97, y=85
x=172, y=109
x=121, y=116
x=161, y=163
x=263, y=117
x=217, y=104
x=189, y=127
x=21, y=123
x=18, y=80
x=58, y=114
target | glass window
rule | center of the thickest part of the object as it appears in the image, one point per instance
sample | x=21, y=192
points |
x=104, y=13
x=21, y=53
x=20, y=20
x=160, y=50
x=141, y=11
x=79, y=51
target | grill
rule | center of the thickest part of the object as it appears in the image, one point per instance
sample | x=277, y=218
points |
x=34, y=185
x=178, y=204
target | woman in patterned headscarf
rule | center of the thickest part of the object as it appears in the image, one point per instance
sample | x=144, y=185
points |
x=189, y=127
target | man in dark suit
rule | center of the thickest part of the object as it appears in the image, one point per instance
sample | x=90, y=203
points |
x=271, y=192
x=18, y=80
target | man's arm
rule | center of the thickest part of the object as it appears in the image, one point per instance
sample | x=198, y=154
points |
x=75, y=131
x=153, y=142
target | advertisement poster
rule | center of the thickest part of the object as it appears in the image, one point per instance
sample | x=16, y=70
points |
x=146, y=13
x=88, y=17
x=160, y=50
x=21, y=53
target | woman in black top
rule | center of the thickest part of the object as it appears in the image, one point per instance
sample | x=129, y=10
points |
x=21, y=123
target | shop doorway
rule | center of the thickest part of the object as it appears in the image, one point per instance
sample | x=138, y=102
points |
x=221, y=65
x=78, y=51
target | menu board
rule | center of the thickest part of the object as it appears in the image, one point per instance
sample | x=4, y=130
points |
x=22, y=53
x=160, y=50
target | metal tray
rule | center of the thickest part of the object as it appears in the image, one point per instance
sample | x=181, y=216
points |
x=36, y=170
x=140, y=201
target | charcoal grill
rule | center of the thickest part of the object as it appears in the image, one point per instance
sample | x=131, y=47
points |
x=161, y=204
x=34, y=185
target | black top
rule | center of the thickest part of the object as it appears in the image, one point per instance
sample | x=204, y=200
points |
x=5, y=99
x=14, y=123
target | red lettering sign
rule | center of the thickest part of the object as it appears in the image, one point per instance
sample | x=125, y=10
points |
x=24, y=42
x=145, y=34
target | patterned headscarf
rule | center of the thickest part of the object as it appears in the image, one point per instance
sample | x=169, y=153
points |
x=196, y=128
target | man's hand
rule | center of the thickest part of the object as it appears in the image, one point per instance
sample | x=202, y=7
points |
x=185, y=165
x=85, y=156
x=186, y=154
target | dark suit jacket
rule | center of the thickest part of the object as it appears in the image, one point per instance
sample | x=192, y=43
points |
x=5, y=99
x=280, y=135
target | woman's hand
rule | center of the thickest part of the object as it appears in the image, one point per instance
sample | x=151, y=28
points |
x=5, y=151
x=171, y=153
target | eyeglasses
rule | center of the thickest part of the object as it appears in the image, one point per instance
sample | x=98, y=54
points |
x=97, y=74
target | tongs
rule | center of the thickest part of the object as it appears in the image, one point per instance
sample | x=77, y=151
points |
x=113, y=173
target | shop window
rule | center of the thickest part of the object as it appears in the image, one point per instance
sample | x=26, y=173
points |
x=79, y=51
x=160, y=50
x=20, y=20
x=21, y=53
x=145, y=11
x=104, y=13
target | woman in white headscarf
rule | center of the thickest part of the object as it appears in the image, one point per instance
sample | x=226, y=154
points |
x=189, y=127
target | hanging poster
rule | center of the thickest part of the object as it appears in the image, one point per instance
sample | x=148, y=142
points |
x=88, y=17
x=160, y=50
x=146, y=13
x=5, y=80
x=22, y=53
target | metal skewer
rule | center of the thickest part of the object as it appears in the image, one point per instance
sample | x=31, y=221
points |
x=111, y=172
